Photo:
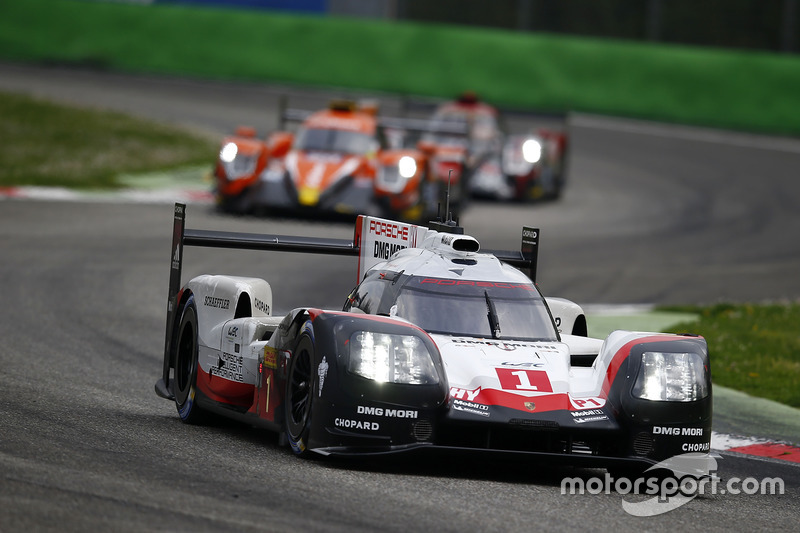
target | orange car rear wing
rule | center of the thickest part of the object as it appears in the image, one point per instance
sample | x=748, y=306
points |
x=417, y=125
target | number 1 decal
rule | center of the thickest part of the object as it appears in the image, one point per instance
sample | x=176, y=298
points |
x=524, y=380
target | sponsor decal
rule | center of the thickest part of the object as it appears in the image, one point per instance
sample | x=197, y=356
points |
x=588, y=415
x=586, y=403
x=471, y=283
x=387, y=413
x=219, y=303
x=470, y=407
x=522, y=364
x=590, y=419
x=388, y=229
x=530, y=406
x=462, y=394
x=322, y=372
x=176, y=258
x=356, y=424
x=695, y=446
x=506, y=346
x=384, y=250
x=524, y=380
x=262, y=306
x=690, y=432
x=270, y=357
x=233, y=331
x=229, y=366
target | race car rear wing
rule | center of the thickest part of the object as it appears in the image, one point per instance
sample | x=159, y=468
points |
x=374, y=240
x=417, y=125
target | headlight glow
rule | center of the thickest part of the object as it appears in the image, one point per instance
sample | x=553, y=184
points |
x=532, y=150
x=228, y=152
x=671, y=377
x=407, y=166
x=236, y=165
x=388, y=358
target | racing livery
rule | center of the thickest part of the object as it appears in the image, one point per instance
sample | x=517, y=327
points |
x=439, y=346
x=499, y=165
x=340, y=161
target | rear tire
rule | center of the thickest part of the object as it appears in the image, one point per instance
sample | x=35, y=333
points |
x=186, y=366
x=299, y=394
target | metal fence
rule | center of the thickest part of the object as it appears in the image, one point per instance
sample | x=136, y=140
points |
x=771, y=25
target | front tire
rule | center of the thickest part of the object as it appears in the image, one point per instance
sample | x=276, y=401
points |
x=186, y=366
x=299, y=394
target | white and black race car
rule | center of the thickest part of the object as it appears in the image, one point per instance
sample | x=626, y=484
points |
x=439, y=346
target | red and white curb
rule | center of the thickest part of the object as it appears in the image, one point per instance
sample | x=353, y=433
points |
x=60, y=194
x=754, y=446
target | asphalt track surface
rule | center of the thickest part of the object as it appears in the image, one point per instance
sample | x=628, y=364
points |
x=653, y=214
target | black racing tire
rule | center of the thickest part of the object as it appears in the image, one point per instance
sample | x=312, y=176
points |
x=185, y=378
x=300, y=394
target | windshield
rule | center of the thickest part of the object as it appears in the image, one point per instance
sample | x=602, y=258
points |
x=330, y=140
x=476, y=309
x=482, y=129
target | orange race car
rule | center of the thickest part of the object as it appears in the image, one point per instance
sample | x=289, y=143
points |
x=338, y=162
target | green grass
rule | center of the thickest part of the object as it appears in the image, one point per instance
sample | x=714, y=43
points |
x=51, y=145
x=754, y=348
x=754, y=91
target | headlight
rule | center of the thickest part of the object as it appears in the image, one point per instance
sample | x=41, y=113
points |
x=407, y=166
x=390, y=358
x=532, y=150
x=393, y=178
x=671, y=377
x=235, y=164
x=228, y=152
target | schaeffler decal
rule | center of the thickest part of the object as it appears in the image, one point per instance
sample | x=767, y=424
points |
x=219, y=303
x=322, y=371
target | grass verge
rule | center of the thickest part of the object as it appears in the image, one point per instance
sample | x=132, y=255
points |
x=47, y=144
x=745, y=90
x=754, y=348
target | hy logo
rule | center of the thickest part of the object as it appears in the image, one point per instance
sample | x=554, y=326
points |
x=691, y=466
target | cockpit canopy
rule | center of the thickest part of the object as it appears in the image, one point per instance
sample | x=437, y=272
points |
x=485, y=309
